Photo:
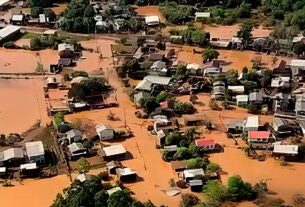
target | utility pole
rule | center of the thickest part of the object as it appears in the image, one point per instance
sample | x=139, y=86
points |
x=125, y=118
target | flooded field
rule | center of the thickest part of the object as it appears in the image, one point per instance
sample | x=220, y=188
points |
x=22, y=105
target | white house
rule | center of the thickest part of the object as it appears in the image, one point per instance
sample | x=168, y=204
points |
x=104, y=132
x=189, y=174
x=237, y=89
x=242, y=100
x=152, y=21
x=280, y=149
x=251, y=124
x=35, y=151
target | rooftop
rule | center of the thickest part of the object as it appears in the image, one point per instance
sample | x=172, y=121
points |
x=158, y=80
x=190, y=173
x=101, y=127
x=34, y=148
x=28, y=166
x=11, y=153
x=125, y=171
x=204, y=142
x=75, y=147
x=114, y=150
x=8, y=30
x=285, y=149
x=252, y=121
x=258, y=135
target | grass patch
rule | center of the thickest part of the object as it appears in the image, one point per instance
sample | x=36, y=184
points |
x=29, y=35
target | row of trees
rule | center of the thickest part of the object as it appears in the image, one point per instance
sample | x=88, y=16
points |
x=92, y=193
x=191, y=35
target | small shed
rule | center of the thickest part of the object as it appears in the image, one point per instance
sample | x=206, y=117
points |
x=126, y=174
x=29, y=169
x=18, y=19
x=202, y=15
x=73, y=135
x=105, y=132
x=285, y=150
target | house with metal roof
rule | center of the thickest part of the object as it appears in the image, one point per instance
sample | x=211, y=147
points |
x=205, y=144
x=152, y=21
x=190, y=174
x=104, y=132
x=256, y=97
x=285, y=150
x=202, y=15
x=9, y=32
x=126, y=174
x=242, y=100
x=35, y=152
x=12, y=157
x=77, y=150
x=114, y=152
x=251, y=123
x=258, y=136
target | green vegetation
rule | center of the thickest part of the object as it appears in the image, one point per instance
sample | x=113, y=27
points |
x=39, y=42
x=210, y=54
x=92, y=193
x=29, y=35
x=89, y=89
x=192, y=35
x=174, y=13
x=198, y=162
x=79, y=73
x=41, y=3
x=58, y=118
x=236, y=190
x=83, y=165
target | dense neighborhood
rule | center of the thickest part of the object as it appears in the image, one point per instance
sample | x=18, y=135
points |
x=152, y=103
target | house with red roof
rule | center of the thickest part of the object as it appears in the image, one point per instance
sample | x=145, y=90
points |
x=259, y=136
x=206, y=144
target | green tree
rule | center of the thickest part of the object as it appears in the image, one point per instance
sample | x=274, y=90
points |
x=100, y=199
x=245, y=31
x=181, y=71
x=215, y=193
x=79, y=73
x=239, y=190
x=163, y=96
x=120, y=199
x=59, y=118
x=198, y=162
x=173, y=138
x=213, y=167
x=183, y=108
x=83, y=165
x=35, y=44
x=40, y=3
x=210, y=54
x=182, y=154
x=188, y=200
x=191, y=134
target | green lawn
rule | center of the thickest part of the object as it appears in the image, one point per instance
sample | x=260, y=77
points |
x=29, y=35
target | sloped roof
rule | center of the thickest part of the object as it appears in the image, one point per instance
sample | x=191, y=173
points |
x=114, y=150
x=204, y=142
x=285, y=149
x=34, y=148
x=258, y=135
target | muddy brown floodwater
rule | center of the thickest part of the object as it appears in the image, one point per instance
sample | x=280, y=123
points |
x=21, y=104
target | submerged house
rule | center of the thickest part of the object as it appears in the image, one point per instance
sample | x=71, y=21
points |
x=205, y=144
x=77, y=150
x=105, y=132
x=251, y=124
x=126, y=175
x=35, y=152
x=288, y=151
x=191, y=174
x=12, y=157
x=115, y=152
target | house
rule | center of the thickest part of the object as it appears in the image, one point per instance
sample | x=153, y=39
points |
x=258, y=136
x=3, y=172
x=77, y=150
x=137, y=97
x=212, y=71
x=164, y=124
x=242, y=100
x=158, y=68
x=8, y=33
x=152, y=21
x=150, y=81
x=191, y=174
x=73, y=135
x=29, y=170
x=155, y=57
x=220, y=43
x=18, y=19
x=171, y=148
x=126, y=175
x=284, y=127
x=300, y=104
x=256, y=97
x=42, y=19
x=66, y=50
x=287, y=151
x=202, y=15
x=281, y=69
x=105, y=132
x=84, y=177
x=283, y=102
x=113, y=190
x=237, y=89
x=192, y=120
x=205, y=144
x=235, y=127
x=194, y=69
x=196, y=185
x=12, y=157
x=160, y=138
x=179, y=165
x=280, y=82
x=219, y=92
x=114, y=152
x=251, y=124
x=112, y=166
x=35, y=152
x=297, y=69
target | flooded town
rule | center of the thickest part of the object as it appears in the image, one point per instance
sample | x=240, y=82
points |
x=137, y=103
